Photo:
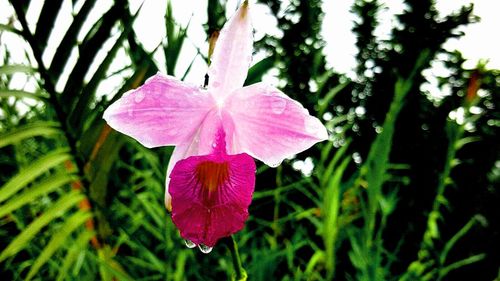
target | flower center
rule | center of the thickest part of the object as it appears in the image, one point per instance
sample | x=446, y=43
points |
x=211, y=175
x=220, y=103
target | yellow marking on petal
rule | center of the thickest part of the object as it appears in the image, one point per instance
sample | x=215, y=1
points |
x=244, y=10
x=211, y=43
x=212, y=175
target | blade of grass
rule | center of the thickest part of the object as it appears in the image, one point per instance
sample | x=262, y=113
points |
x=56, y=210
x=29, y=195
x=37, y=168
x=461, y=263
x=325, y=101
x=76, y=248
x=461, y=233
x=175, y=40
x=40, y=128
x=16, y=68
x=5, y=93
x=58, y=239
x=330, y=212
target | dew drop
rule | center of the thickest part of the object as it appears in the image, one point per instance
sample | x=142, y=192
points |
x=139, y=96
x=274, y=165
x=278, y=105
x=189, y=244
x=312, y=126
x=205, y=249
x=269, y=92
x=214, y=144
x=130, y=112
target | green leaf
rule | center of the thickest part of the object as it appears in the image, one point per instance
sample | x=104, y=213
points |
x=46, y=22
x=41, y=128
x=188, y=69
x=317, y=258
x=80, y=243
x=15, y=68
x=461, y=263
x=88, y=92
x=331, y=210
x=108, y=267
x=5, y=27
x=31, y=172
x=256, y=72
x=175, y=39
x=461, y=233
x=70, y=40
x=366, y=253
x=58, y=240
x=180, y=266
x=328, y=171
x=5, y=93
x=56, y=210
x=91, y=45
x=216, y=15
x=29, y=195
x=377, y=160
x=325, y=101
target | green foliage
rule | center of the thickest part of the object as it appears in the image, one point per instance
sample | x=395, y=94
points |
x=79, y=201
x=175, y=38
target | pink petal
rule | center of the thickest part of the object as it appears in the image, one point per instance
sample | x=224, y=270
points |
x=179, y=152
x=214, y=132
x=211, y=195
x=270, y=126
x=232, y=54
x=164, y=111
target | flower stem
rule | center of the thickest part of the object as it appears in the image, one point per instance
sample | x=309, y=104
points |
x=239, y=272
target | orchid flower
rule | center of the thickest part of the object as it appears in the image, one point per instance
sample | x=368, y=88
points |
x=216, y=131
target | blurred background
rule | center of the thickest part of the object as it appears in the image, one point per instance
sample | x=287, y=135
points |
x=406, y=188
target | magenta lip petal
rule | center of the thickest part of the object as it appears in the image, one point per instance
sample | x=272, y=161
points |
x=213, y=135
x=211, y=195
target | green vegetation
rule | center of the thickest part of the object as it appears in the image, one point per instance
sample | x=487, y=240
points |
x=405, y=189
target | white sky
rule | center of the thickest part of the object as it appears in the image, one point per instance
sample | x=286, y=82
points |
x=478, y=43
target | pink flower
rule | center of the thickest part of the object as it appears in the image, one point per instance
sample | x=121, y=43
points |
x=211, y=177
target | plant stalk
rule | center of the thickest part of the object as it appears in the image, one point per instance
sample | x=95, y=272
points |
x=239, y=272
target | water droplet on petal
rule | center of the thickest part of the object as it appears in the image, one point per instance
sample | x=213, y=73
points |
x=189, y=244
x=269, y=91
x=205, y=249
x=130, y=112
x=278, y=105
x=214, y=144
x=312, y=125
x=274, y=165
x=139, y=96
